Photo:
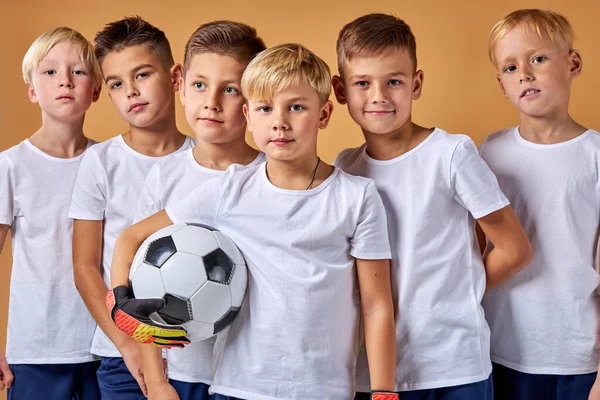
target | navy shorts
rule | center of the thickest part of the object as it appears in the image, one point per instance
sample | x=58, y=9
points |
x=54, y=381
x=191, y=391
x=116, y=382
x=483, y=390
x=510, y=384
x=221, y=397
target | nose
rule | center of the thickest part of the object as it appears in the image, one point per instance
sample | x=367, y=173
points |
x=526, y=74
x=378, y=93
x=280, y=122
x=132, y=90
x=212, y=101
x=65, y=81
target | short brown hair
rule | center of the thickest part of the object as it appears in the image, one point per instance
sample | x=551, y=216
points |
x=546, y=24
x=133, y=31
x=227, y=38
x=373, y=34
x=282, y=66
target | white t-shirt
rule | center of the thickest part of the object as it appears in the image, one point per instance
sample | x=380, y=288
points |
x=431, y=195
x=544, y=320
x=48, y=322
x=296, y=336
x=108, y=185
x=168, y=181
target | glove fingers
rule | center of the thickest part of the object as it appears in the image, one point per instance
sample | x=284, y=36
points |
x=148, y=306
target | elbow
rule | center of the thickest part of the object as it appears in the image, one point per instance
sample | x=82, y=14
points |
x=522, y=256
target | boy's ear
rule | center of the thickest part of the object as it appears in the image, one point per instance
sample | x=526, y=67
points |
x=247, y=115
x=325, y=115
x=31, y=94
x=181, y=86
x=176, y=74
x=502, y=86
x=418, y=79
x=338, y=89
x=575, y=63
x=96, y=93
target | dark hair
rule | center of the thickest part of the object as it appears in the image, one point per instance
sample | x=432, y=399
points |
x=228, y=38
x=133, y=31
x=371, y=35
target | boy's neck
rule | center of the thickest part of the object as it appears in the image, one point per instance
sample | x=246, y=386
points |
x=391, y=145
x=158, y=140
x=221, y=156
x=60, y=139
x=551, y=129
x=298, y=174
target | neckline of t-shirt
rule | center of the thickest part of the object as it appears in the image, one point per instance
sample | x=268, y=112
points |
x=569, y=142
x=199, y=167
x=288, y=192
x=140, y=155
x=401, y=157
x=39, y=152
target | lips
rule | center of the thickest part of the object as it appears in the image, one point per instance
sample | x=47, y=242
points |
x=281, y=141
x=379, y=113
x=211, y=121
x=530, y=91
x=64, y=97
x=136, y=107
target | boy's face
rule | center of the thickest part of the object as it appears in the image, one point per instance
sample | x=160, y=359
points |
x=286, y=127
x=379, y=90
x=212, y=98
x=62, y=84
x=535, y=74
x=139, y=85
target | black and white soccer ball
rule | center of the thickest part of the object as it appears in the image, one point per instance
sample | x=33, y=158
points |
x=198, y=271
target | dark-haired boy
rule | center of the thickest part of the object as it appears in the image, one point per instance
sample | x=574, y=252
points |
x=141, y=78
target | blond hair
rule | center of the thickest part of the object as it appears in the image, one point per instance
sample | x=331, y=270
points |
x=282, y=66
x=371, y=35
x=46, y=41
x=546, y=24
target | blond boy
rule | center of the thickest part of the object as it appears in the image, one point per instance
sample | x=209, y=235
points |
x=49, y=330
x=544, y=320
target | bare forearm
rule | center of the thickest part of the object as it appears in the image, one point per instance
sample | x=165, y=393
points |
x=92, y=290
x=3, y=233
x=501, y=265
x=154, y=372
x=380, y=342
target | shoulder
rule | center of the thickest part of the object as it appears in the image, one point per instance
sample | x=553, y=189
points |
x=497, y=137
x=353, y=185
x=19, y=153
x=173, y=161
x=348, y=156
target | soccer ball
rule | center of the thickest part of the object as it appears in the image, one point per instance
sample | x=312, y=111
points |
x=199, y=273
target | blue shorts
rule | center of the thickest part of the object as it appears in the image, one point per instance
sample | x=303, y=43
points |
x=191, y=391
x=116, y=382
x=221, y=397
x=483, y=390
x=514, y=385
x=54, y=381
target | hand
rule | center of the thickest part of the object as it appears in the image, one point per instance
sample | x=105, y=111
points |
x=595, y=392
x=6, y=376
x=130, y=352
x=384, y=395
x=162, y=391
x=132, y=316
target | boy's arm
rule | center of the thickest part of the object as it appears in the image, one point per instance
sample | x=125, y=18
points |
x=6, y=376
x=87, y=267
x=154, y=374
x=511, y=250
x=378, y=315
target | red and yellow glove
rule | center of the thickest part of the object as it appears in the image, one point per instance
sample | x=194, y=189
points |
x=383, y=395
x=132, y=316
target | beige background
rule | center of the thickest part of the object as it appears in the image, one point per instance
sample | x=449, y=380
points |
x=460, y=93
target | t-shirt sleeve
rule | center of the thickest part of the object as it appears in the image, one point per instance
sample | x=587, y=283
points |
x=201, y=206
x=371, y=240
x=149, y=202
x=89, y=194
x=475, y=185
x=6, y=192
x=338, y=162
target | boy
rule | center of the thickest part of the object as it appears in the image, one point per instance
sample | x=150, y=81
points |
x=49, y=329
x=210, y=91
x=434, y=185
x=138, y=68
x=544, y=320
x=300, y=224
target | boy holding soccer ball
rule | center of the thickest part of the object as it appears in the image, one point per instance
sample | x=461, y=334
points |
x=307, y=231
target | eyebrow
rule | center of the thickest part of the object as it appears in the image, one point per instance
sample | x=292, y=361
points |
x=227, y=81
x=136, y=69
x=363, y=76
